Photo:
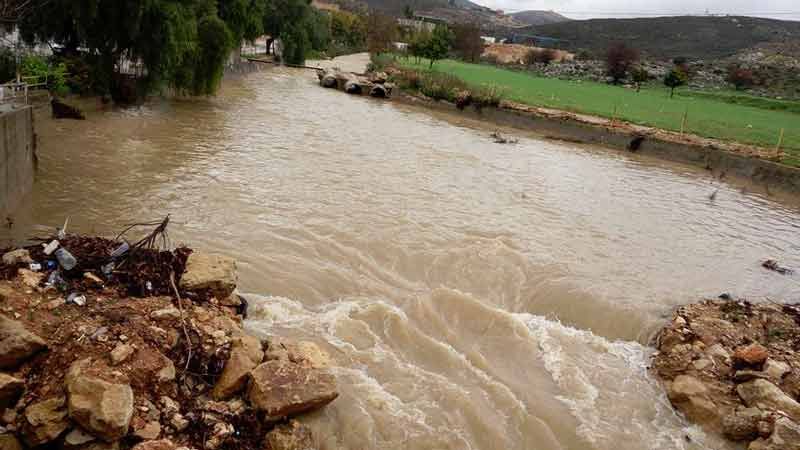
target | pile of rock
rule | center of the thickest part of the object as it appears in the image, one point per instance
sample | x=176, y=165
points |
x=154, y=373
x=733, y=367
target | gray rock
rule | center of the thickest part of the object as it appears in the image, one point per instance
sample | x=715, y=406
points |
x=282, y=388
x=45, y=421
x=163, y=444
x=167, y=314
x=16, y=343
x=103, y=408
x=149, y=432
x=77, y=437
x=762, y=394
x=776, y=369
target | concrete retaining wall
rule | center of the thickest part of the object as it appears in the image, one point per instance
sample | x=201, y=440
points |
x=17, y=157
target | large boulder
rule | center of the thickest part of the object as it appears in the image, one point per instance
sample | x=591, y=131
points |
x=209, y=272
x=101, y=407
x=10, y=390
x=691, y=397
x=44, y=421
x=282, y=388
x=290, y=436
x=16, y=343
x=742, y=424
x=762, y=394
x=246, y=355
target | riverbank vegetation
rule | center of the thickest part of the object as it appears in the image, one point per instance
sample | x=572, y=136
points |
x=736, y=119
x=130, y=48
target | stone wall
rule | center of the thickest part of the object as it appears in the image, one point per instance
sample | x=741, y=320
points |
x=17, y=157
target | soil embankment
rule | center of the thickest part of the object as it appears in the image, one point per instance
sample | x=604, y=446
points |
x=734, y=368
x=108, y=347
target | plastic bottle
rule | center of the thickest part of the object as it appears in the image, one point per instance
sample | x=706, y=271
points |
x=65, y=259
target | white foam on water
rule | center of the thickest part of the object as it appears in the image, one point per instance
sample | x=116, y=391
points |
x=607, y=387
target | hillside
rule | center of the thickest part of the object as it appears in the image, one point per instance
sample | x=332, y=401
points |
x=670, y=37
x=538, y=17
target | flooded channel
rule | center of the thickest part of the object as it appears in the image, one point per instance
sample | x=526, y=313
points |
x=471, y=295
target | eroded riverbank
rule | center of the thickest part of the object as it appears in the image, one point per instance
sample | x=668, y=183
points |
x=470, y=294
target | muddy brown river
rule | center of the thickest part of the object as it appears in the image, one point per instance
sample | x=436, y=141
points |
x=471, y=295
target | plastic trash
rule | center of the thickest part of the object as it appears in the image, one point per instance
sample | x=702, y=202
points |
x=65, y=259
x=51, y=247
x=78, y=299
x=55, y=280
x=62, y=232
x=50, y=264
x=121, y=250
x=35, y=267
x=149, y=286
x=108, y=268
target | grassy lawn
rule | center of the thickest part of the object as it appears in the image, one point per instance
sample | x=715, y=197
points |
x=726, y=116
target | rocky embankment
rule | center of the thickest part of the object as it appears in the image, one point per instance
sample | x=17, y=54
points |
x=101, y=369
x=734, y=368
x=374, y=84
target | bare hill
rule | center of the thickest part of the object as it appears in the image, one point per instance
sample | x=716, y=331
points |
x=670, y=37
x=538, y=17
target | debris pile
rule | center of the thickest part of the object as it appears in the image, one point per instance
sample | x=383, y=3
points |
x=85, y=365
x=734, y=368
x=374, y=85
x=501, y=139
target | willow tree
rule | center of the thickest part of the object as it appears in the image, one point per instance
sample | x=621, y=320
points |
x=182, y=44
x=288, y=20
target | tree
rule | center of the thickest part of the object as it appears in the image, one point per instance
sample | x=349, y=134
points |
x=348, y=30
x=619, y=60
x=284, y=20
x=381, y=33
x=675, y=78
x=417, y=44
x=467, y=41
x=740, y=77
x=408, y=13
x=640, y=75
x=540, y=56
x=438, y=46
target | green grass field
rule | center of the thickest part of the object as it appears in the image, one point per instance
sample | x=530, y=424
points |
x=726, y=116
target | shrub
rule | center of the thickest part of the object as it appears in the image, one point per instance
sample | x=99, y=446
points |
x=540, y=56
x=675, y=78
x=41, y=71
x=619, y=60
x=741, y=78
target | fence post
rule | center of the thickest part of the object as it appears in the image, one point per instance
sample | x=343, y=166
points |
x=683, y=120
x=780, y=142
x=614, y=116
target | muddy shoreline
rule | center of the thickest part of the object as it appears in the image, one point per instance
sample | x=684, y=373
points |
x=749, y=172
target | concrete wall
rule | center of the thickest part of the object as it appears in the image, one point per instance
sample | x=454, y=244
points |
x=17, y=158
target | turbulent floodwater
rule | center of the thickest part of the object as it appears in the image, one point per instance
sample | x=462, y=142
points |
x=471, y=295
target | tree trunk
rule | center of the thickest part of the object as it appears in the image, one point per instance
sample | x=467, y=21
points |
x=672, y=92
x=430, y=66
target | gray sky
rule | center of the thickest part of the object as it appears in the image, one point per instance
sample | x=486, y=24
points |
x=583, y=9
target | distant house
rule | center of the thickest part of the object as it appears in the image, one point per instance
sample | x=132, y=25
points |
x=325, y=6
x=489, y=39
x=422, y=22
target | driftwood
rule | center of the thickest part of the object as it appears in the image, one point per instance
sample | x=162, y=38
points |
x=62, y=110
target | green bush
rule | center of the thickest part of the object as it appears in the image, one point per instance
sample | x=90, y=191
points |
x=38, y=70
x=8, y=65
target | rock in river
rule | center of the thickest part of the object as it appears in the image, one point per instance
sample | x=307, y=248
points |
x=101, y=407
x=209, y=272
x=282, y=388
x=246, y=355
x=765, y=395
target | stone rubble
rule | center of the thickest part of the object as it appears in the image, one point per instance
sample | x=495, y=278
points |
x=115, y=373
x=731, y=366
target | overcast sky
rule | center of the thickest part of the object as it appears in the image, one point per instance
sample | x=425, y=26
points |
x=582, y=9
